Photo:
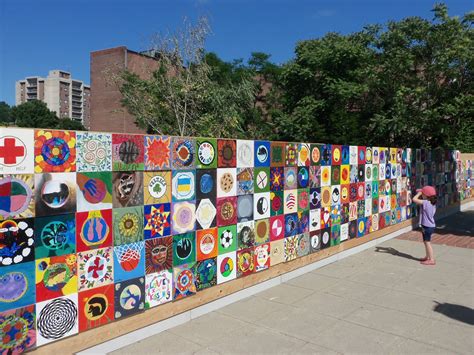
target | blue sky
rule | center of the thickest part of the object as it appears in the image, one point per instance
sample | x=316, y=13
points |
x=39, y=35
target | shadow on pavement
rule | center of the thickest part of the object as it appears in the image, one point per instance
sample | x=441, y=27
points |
x=393, y=251
x=455, y=311
x=458, y=224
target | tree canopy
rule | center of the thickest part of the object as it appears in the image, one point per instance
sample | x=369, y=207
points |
x=403, y=83
x=35, y=114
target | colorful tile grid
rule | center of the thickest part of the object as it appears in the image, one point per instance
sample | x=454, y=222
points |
x=100, y=226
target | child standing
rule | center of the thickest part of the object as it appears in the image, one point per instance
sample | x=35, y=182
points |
x=427, y=222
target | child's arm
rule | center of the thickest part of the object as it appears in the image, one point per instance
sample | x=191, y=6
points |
x=417, y=199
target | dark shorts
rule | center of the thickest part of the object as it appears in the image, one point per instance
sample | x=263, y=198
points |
x=427, y=232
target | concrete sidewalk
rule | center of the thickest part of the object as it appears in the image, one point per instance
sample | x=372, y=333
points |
x=374, y=302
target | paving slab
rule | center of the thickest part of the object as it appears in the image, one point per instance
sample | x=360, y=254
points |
x=378, y=301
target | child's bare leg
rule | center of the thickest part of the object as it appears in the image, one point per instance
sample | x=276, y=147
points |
x=429, y=251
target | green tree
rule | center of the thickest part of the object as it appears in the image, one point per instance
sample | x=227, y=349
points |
x=423, y=92
x=408, y=83
x=5, y=113
x=34, y=114
x=190, y=93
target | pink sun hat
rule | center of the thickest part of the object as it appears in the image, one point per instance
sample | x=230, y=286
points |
x=428, y=191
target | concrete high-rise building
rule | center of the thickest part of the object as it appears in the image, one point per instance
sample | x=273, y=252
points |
x=107, y=112
x=62, y=94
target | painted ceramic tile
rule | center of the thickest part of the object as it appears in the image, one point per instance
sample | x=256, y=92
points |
x=262, y=153
x=158, y=254
x=262, y=231
x=261, y=180
x=56, y=277
x=206, y=153
x=158, y=288
x=277, y=252
x=277, y=179
x=345, y=231
x=206, y=243
x=18, y=330
x=127, y=188
x=96, y=307
x=183, y=217
x=326, y=154
x=261, y=207
x=245, y=154
x=157, y=152
x=226, y=182
x=226, y=267
x=303, y=154
x=303, y=245
x=277, y=227
x=244, y=208
x=16, y=151
x=345, y=193
x=335, y=235
x=157, y=187
x=94, y=151
x=303, y=200
x=291, y=178
x=277, y=154
x=95, y=268
x=315, y=241
x=227, y=239
x=55, y=151
x=291, y=154
x=325, y=238
x=128, y=225
x=245, y=179
x=129, y=261
x=262, y=257
x=314, y=220
x=226, y=211
x=17, y=243
x=276, y=203
x=93, y=230
x=18, y=286
x=245, y=262
x=335, y=195
x=55, y=193
x=291, y=245
x=226, y=149
x=56, y=319
x=246, y=234
x=127, y=152
x=157, y=222
x=291, y=224
x=17, y=196
x=55, y=235
x=303, y=177
x=345, y=155
x=303, y=222
x=94, y=191
x=206, y=273
x=184, y=249
x=336, y=153
x=315, y=198
x=206, y=184
x=325, y=176
x=183, y=153
x=315, y=154
x=183, y=185
x=184, y=277
x=361, y=155
x=291, y=201
x=129, y=297
x=345, y=174
x=353, y=155
x=325, y=217
x=361, y=222
x=205, y=214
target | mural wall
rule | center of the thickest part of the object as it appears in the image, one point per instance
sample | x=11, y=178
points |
x=96, y=227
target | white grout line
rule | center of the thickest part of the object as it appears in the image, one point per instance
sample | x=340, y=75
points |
x=182, y=318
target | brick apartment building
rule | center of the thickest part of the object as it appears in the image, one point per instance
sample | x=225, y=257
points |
x=61, y=93
x=107, y=113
